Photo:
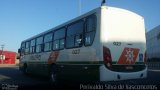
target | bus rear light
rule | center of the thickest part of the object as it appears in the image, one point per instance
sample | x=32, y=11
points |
x=107, y=57
x=145, y=57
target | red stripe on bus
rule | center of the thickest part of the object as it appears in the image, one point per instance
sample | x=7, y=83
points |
x=53, y=57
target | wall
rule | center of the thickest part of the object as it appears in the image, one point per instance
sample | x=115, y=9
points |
x=153, y=43
x=8, y=56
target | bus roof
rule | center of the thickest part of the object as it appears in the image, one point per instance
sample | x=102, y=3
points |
x=80, y=17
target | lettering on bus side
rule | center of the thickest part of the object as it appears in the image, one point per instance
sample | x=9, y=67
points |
x=35, y=57
x=76, y=51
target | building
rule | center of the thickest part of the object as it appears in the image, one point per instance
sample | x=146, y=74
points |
x=153, y=43
x=7, y=57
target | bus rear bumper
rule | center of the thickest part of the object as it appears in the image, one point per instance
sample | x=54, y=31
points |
x=108, y=75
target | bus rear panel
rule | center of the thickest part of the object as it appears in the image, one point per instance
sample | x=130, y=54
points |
x=124, y=45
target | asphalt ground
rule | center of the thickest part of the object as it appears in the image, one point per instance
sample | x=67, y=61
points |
x=13, y=79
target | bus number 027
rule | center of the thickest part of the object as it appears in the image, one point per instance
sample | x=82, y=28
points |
x=117, y=43
x=76, y=51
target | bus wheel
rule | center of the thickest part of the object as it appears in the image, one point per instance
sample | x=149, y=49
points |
x=53, y=77
x=25, y=69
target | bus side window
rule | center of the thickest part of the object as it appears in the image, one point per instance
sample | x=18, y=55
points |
x=59, y=37
x=22, y=51
x=61, y=44
x=90, y=30
x=27, y=47
x=75, y=34
x=32, y=46
x=39, y=44
x=70, y=41
x=89, y=37
x=78, y=40
x=56, y=44
x=48, y=42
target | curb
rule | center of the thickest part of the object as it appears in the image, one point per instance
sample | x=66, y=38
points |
x=8, y=65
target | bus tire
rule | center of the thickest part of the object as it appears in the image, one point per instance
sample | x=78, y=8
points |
x=25, y=69
x=53, y=76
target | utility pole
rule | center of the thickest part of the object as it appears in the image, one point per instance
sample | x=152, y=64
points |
x=79, y=7
x=2, y=56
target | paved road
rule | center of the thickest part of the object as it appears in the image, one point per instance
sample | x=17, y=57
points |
x=11, y=77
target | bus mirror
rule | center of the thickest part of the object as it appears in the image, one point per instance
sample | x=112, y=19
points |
x=19, y=50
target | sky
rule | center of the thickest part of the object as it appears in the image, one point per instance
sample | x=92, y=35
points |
x=21, y=19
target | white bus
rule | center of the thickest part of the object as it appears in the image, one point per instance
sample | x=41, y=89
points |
x=105, y=44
